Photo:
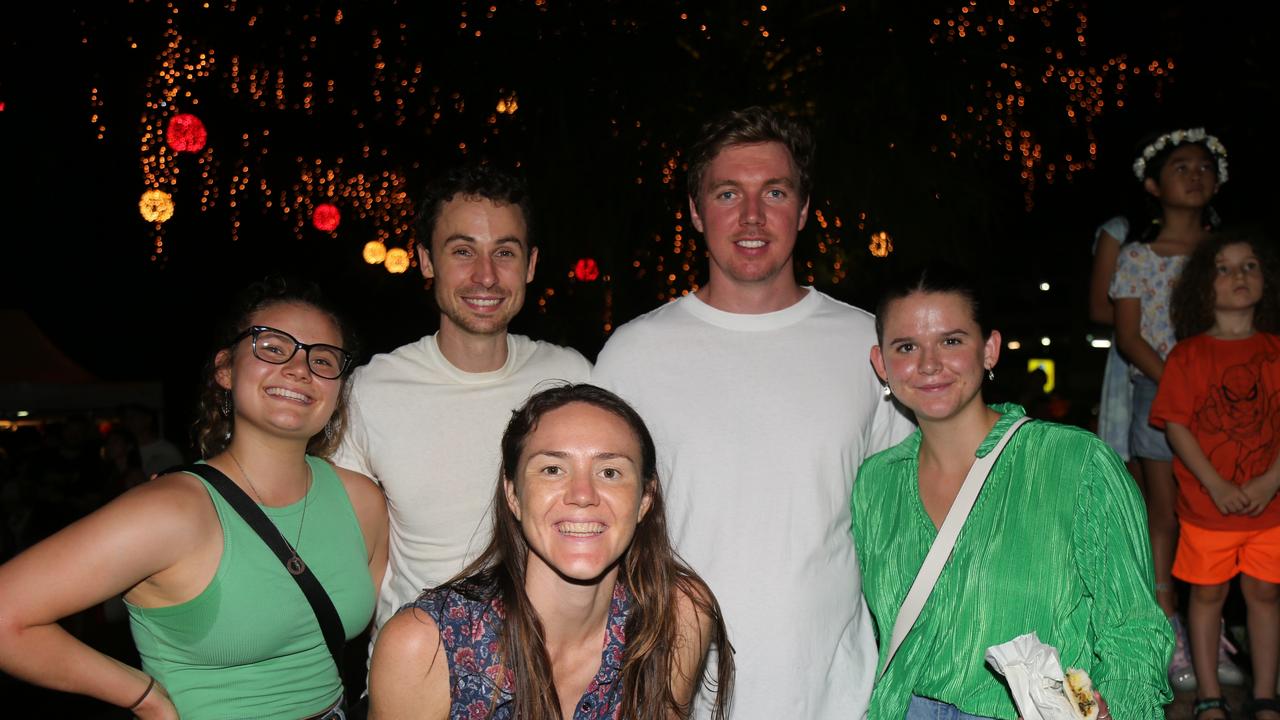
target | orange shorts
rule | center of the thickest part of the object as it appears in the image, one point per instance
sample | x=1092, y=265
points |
x=1213, y=557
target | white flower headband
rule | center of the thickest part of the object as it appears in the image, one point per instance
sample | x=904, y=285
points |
x=1178, y=137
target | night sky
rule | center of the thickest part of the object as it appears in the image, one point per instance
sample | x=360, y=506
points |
x=357, y=104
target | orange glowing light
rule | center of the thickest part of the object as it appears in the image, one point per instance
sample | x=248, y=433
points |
x=397, y=260
x=881, y=244
x=156, y=206
x=375, y=252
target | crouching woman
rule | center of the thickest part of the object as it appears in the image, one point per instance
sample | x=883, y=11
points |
x=578, y=608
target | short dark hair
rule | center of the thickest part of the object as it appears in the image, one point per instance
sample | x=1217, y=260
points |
x=475, y=180
x=934, y=276
x=750, y=126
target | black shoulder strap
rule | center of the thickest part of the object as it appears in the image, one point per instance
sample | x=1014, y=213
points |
x=321, y=605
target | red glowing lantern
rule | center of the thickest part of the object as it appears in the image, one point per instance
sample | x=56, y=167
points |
x=186, y=133
x=586, y=270
x=326, y=217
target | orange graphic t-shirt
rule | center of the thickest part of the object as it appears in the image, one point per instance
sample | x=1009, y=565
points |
x=1227, y=393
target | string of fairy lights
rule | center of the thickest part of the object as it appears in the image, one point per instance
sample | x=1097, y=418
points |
x=995, y=121
x=216, y=110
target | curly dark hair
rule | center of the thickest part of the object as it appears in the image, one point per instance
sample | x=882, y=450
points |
x=1191, y=305
x=750, y=126
x=474, y=180
x=212, y=429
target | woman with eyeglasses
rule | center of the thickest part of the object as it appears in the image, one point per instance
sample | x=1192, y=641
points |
x=222, y=627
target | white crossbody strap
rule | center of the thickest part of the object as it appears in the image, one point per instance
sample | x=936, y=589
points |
x=942, y=545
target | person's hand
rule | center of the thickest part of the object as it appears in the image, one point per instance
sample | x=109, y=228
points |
x=1103, y=712
x=1228, y=497
x=1259, y=492
x=157, y=705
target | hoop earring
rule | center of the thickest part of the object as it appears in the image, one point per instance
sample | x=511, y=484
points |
x=226, y=403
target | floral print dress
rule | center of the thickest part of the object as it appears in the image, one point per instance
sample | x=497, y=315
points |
x=1142, y=274
x=480, y=686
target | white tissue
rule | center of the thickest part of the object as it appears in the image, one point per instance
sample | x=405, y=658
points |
x=1035, y=677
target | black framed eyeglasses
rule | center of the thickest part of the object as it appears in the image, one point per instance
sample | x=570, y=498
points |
x=278, y=347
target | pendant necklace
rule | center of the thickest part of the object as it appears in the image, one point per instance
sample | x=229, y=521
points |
x=295, y=565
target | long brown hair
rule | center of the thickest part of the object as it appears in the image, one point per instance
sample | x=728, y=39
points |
x=652, y=573
x=1192, y=302
x=213, y=427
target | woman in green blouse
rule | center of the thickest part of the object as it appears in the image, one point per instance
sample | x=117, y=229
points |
x=1056, y=542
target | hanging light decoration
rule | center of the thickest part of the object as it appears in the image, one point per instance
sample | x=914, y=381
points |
x=186, y=133
x=326, y=217
x=508, y=105
x=397, y=260
x=586, y=270
x=156, y=206
x=881, y=244
x=375, y=252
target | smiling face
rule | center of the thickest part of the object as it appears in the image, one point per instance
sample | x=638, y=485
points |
x=579, y=494
x=1237, y=283
x=933, y=354
x=283, y=399
x=1188, y=178
x=480, y=261
x=750, y=211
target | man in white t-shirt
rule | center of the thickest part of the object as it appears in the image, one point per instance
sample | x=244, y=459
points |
x=426, y=419
x=762, y=402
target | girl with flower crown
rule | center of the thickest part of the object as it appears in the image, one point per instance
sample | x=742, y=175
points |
x=1180, y=172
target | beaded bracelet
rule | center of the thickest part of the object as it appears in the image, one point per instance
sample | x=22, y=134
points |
x=145, y=693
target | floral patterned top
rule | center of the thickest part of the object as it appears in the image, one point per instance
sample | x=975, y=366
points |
x=480, y=687
x=1142, y=274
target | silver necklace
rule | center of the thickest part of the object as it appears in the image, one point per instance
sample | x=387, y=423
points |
x=294, y=564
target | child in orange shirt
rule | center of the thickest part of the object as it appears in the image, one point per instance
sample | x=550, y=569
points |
x=1219, y=403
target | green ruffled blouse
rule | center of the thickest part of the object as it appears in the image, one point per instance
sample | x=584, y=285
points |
x=1056, y=544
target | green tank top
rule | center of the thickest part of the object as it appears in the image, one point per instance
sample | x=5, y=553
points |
x=249, y=645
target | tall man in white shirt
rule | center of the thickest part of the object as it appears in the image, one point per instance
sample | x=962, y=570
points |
x=426, y=419
x=763, y=404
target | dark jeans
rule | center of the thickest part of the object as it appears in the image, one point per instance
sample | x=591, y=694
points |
x=926, y=709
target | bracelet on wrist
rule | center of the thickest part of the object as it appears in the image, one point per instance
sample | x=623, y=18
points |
x=144, y=695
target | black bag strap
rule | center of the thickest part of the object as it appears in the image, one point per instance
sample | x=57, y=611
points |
x=321, y=604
